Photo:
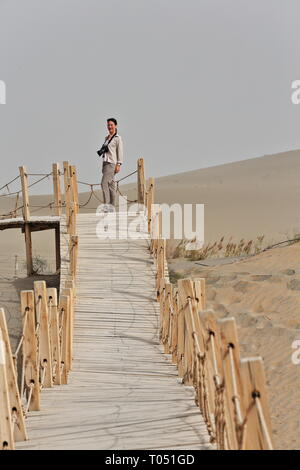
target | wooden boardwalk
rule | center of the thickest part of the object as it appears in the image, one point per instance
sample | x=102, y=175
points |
x=123, y=392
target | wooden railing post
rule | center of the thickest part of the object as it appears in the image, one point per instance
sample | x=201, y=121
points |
x=174, y=340
x=14, y=396
x=169, y=317
x=6, y=429
x=161, y=295
x=258, y=434
x=186, y=291
x=26, y=217
x=141, y=181
x=25, y=195
x=44, y=333
x=161, y=253
x=56, y=188
x=54, y=335
x=150, y=202
x=215, y=377
x=181, y=329
x=57, y=249
x=68, y=291
x=165, y=312
x=30, y=353
x=232, y=376
x=64, y=308
x=67, y=186
x=73, y=248
x=74, y=187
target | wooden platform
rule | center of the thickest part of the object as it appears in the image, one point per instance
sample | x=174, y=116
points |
x=36, y=223
x=123, y=392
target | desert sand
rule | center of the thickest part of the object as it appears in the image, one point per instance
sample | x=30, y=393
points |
x=245, y=199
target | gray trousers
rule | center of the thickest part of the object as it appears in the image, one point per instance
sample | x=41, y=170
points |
x=108, y=183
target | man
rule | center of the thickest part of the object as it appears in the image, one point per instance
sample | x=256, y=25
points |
x=112, y=161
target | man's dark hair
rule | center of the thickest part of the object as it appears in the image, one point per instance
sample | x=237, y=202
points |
x=113, y=120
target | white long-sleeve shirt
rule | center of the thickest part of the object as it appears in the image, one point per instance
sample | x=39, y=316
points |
x=115, y=150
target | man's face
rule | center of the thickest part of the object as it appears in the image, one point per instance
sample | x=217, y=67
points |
x=111, y=127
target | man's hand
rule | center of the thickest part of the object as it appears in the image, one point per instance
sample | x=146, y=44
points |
x=117, y=168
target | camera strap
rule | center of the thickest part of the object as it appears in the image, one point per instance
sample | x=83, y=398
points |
x=111, y=138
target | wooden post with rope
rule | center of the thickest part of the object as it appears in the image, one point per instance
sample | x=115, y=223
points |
x=258, y=433
x=161, y=248
x=232, y=376
x=73, y=249
x=174, y=340
x=19, y=430
x=74, y=187
x=167, y=316
x=67, y=187
x=185, y=289
x=180, y=329
x=68, y=291
x=64, y=308
x=30, y=354
x=215, y=376
x=56, y=188
x=54, y=335
x=141, y=181
x=150, y=202
x=45, y=359
x=26, y=217
x=6, y=428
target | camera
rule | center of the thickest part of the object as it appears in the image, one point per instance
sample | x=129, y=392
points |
x=102, y=151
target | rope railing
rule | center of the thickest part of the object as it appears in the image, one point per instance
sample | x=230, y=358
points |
x=230, y=392
x=6, y=185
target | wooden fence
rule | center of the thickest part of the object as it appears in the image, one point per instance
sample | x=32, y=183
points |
x=43, y=356
x=230, y=391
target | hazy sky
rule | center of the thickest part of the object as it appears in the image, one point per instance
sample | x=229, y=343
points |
x=192, y=83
